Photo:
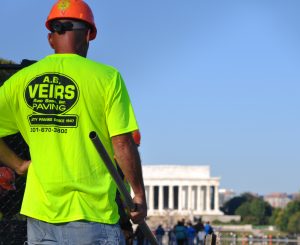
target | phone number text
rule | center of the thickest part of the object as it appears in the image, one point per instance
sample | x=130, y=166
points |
x=49, y=130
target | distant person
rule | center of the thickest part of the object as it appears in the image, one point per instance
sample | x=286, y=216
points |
x=200, y=238
x=180, y=233
x=159, y=233
x=199, y=228
x=171, y=237
x=209, y=232
x=191, y=234
x=208, y=228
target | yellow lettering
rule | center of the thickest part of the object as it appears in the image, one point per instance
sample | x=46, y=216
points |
x=70, y=94
x=33, y=91
x=51, y=90
x=46, y=79
x=43, y=91
x=59, y=92
x=55, y=80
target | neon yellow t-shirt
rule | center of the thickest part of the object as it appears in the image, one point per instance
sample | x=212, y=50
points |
x=55, y=104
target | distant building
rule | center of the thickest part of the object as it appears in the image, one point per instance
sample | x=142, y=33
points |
x=225, y=195
x=278, y=199
x=295, y=196
x=181, y=189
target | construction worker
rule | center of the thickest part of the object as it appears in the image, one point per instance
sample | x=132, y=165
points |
x=55, y=104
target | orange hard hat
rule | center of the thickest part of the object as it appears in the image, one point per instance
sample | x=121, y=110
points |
x=72, y=9
x=7, y=178
x=136, y=137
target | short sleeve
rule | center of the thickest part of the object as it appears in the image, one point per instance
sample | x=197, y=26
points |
x=120, y=116
x=7, y=119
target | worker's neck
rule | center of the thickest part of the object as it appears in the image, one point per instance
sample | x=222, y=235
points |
x=70, y=51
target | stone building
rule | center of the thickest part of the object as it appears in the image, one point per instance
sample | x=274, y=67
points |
x=225, y=195
x=181, y=190
x=277, y=200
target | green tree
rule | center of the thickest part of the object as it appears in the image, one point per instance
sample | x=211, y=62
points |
x=234, y=203
x=246, y=215
x=291, y=209
x=276, y=216
x=243, y=210
x=261, y=210
x=294, y=223
x=256, y=212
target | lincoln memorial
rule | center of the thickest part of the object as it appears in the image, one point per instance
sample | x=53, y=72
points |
x=182, y=189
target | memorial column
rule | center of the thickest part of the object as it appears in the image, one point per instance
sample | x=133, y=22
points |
x=208, y=198
x=160, y=198
x=171, y=197
x=151, y=198
x=216, y=202
x=179, y=198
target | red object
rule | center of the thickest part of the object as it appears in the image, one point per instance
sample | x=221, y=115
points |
x=136, y=137
x=72, y=9
x=7, y=178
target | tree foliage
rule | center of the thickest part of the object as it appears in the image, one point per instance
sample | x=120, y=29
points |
x=256, y=212
x=286, y=218
x=294, y=223
x=252, y=209
x=276, y=216
x=234, y=203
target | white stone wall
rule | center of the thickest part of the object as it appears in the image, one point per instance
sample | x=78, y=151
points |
x=186, y=190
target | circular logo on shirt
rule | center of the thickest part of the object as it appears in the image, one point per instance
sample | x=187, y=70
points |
x=51, y=93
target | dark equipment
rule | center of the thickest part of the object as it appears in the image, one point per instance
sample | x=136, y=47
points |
x=23, y=64
x=120, y=184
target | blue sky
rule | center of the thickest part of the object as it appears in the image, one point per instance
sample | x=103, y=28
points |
x=212, y=82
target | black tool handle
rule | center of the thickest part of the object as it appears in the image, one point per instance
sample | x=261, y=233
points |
x=120, y=184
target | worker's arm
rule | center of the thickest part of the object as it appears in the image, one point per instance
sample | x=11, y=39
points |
x=128, y=158
x=10, y=159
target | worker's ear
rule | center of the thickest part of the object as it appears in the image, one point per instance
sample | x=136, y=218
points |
x=88, y=34
x=50, y=40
